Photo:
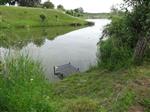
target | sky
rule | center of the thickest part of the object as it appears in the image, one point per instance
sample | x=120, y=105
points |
x=93, y=6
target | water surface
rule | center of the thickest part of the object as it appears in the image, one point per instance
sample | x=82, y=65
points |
x=78, y=47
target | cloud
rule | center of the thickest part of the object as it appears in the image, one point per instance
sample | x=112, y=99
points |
x=88, y=5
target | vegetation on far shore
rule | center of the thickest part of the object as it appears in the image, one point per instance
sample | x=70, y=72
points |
x=36, y=17
x=96, y=15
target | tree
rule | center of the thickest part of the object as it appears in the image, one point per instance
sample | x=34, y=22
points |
x=79, y=10
x=70, y=12
x=49, y=5
x=129, y=36
x=3, y=2
x=114, y=10
x=139, y=20
x=76, y=12
x=61, y=7
x=29, y=3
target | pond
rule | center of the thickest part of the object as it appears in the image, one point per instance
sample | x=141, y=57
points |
x=79, y=47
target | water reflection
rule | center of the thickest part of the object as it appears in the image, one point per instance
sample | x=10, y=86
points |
x=18, y=38
x=78, y=47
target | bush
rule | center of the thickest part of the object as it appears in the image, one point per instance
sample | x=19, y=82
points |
x=112, y=56
x=130, y=31
x=43, y=17
x=116, y=52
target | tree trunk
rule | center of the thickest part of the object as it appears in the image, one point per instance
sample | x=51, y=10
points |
x=140, y=50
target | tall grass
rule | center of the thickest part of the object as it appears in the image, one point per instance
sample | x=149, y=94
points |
x=116, y=52
x=23, y=87
x=113, y=57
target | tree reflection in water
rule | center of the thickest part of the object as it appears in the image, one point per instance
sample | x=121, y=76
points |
x=18, y=38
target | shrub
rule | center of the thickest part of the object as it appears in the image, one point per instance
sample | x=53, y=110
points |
x=130, y=30
x=43, y=17
x=112, y=56
x=116, y=52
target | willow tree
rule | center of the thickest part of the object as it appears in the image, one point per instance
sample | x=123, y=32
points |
x=129, y=36
x=140, y=25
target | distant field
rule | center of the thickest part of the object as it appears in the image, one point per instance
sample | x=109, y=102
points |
x=96, y=15
x=35, y=17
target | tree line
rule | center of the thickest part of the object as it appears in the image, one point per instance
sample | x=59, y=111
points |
x=28, y=3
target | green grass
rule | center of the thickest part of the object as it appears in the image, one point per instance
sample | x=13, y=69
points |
x=24, y=89
x=113, y=91
x=30, y=17
x=96, y=15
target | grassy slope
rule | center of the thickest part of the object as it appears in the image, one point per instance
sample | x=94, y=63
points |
x=95, y=91
x=22, y=17
x=121, y=91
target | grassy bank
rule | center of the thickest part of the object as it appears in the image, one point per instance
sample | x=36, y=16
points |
x=24, y=89
x=35, y=17
x=96, y=15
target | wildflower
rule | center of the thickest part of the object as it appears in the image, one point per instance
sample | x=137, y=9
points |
x=31, y=79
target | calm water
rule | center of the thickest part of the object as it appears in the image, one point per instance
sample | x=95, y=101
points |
x=78, y=47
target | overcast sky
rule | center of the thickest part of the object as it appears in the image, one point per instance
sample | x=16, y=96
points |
x=88, y=5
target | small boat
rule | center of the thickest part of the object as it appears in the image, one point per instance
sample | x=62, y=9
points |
x=63, y=71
